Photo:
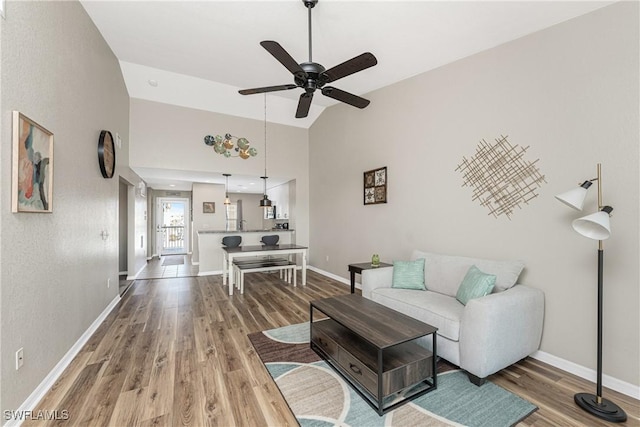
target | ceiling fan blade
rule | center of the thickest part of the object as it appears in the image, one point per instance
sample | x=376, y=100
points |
x=266, y=89
x=359, y=63
x=283, y=57
x=345, y=97
x=303, y=105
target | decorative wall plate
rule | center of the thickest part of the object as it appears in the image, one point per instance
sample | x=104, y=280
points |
x=501, y=178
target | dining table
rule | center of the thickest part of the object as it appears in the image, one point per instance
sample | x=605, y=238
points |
x=231, y=253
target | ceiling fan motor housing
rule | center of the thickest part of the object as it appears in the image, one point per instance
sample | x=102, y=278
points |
x=310, y=3
x=314, y=78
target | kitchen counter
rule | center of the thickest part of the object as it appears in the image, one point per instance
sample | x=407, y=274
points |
x=210, y=245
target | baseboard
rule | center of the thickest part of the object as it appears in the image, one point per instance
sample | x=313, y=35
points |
x=588, y=374
x=209, y=273
x=333, y=276
x=135, y=276
x=122, y=273
x=36, y=396
x=567, y=366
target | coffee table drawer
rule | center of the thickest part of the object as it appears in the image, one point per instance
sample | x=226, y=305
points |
x=322, y=340
x=358, y=371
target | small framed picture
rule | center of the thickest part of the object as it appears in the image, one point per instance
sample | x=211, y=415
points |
x=32, y=181
x=208, y=207
x=375, y=186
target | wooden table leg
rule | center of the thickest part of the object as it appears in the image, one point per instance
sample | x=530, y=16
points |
x=353, y=281
x=304, y=268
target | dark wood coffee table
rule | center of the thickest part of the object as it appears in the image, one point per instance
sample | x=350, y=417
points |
x=373, y=347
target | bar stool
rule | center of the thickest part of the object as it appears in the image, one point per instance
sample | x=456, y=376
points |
x=232, y=241
x=270, y=240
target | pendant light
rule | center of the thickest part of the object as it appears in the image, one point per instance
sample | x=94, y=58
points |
x=265, y=202
x=227, y=201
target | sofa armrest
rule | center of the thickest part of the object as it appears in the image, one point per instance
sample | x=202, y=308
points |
x=500, y=329
x=374, y=278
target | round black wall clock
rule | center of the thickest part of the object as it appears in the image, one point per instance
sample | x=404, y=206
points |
x=106, y=154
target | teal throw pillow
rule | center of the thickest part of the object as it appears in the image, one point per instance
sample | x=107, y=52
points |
x=408, y=274
x=475, y=284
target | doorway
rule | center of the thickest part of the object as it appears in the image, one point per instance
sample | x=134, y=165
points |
x=172, y=225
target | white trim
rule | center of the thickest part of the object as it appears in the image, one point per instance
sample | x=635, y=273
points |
x=333, y=276
x=588, y=374
x=135, y=276
x=36, y=396
x=209, y=273
x=122, y=273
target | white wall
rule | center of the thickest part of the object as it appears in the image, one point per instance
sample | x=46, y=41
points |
x=570, y=93
x=57, y=69
x=207, y=221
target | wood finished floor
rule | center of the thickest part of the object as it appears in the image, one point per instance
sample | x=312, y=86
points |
x=175, y=352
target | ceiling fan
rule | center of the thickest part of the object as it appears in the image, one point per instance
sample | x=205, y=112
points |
x=311, y=75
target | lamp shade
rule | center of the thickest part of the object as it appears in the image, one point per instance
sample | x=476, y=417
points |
x=265, y=202
x=595, y=226
x=575, y=198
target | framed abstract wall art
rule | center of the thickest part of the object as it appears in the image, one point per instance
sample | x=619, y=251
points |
x=208, y=207
x=32, y=179
x=375, y=186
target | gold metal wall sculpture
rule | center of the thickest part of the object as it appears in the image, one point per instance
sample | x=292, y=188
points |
x=501, y=178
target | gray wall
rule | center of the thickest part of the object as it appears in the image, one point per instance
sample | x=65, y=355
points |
x=57, y=69
x=570, y=93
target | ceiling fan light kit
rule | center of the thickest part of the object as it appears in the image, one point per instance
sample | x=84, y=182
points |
x=312, y=75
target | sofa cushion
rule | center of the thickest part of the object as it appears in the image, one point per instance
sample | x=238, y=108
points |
x=444, y=273
x=441, y=311
x=475, y=284
x=408, y=274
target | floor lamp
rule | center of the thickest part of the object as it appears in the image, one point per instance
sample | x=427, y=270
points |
x=595, y=226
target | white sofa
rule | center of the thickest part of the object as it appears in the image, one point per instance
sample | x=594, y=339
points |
x=489, y=333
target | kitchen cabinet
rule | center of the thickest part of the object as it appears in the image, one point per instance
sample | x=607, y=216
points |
x=279, y=197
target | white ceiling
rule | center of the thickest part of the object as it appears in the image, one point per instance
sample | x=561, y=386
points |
x=201, y=53
x=180, y=180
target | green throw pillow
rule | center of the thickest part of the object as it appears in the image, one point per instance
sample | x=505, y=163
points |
x=408, y=274
x=475, y=284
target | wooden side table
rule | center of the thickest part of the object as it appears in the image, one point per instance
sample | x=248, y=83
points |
x=357, y=268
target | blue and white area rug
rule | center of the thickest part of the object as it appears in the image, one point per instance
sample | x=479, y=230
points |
x=318, y=396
